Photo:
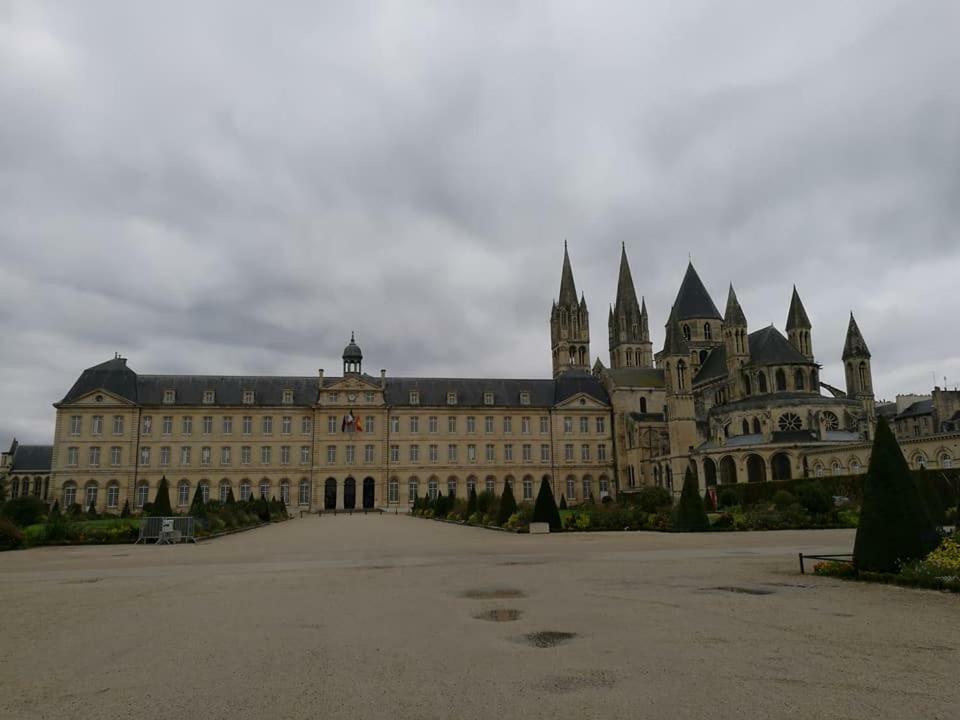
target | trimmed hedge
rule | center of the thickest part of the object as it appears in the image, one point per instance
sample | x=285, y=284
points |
x=941, y=484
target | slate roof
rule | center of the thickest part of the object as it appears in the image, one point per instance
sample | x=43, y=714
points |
x=268, y=390
x=769, y=347
x=714, y=367
x=887, y=410
x=921, y=407
x=637, y=377
x=626, y=302
x=33, y=458
x=693, y=300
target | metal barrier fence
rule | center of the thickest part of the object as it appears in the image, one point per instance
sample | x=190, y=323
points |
x=167, y=530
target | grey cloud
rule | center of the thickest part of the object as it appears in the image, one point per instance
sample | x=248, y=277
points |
x=233, y=188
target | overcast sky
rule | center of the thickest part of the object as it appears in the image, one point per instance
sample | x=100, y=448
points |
x=228, y=188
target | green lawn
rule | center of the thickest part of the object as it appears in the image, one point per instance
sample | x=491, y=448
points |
x=35, y=532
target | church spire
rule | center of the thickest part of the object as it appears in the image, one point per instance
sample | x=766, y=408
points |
x=798, y=326
x=855, y=346
x=734, y=316
x=568, y=288
x=629, y=333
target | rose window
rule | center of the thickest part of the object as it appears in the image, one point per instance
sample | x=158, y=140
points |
x=789, y=421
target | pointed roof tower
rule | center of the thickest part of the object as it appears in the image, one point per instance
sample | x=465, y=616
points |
x=797, y=316
x=855, y=346
x=734, y=316
x=568, y=289
x=626, y=292
x=693, y=300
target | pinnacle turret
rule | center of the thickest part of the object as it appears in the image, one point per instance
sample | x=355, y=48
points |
x=855, y=346
x=797, y=316
x=734, y=317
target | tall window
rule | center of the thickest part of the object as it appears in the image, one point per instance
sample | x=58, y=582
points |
x=267, y=424
x=265, y=488
x=207, y=424
x=246, y=455
x=488, y=424
x=568, y=424
x=205, y=491
x=303, y=497
x=113, y=496
x=585, y=452
x=284, y=454
x=187, y=424
x=432, y=421
x=306, y=425
x=491, y=455
x=681, y=374
x=414, y=453
x=411, y=490
x=394, y=424
x=602, y=452
x=490, y=485
x=206, y=455
x=97, y=424
x=224, y=491
x=147, y=424
x=544, y=453
x=142, y=495
x=584, y=425
x=185, y=455
x=452, y=424
x=304, y=454
x=781, y=378
x=351, y=454
x=94, y=456
x=451, y=453
x=601, y=424
x=76, y=423
x=183, y=493
x=528, y=488
x=245, y=490
x=227, y=425
x=394, y=453
x=799, y=381
x=144, y=456
x=571, y=488
x=331, y=424
x=544, y=424
x=508, y=452
x=285, y=492
x=414, y=423
x=118, y=424
x=471, y=424
x=568, y=452
x=761, y=382
x=393, y=491
x=707, y=332
x=432, y=488
x=286, y=425
x=225, y=455
x=91, y=498
x=471, y=453
x=434, y=453
x=526, y=452
x=73, y=455
x=167, y=427
x=507, y=424
x=368, y=454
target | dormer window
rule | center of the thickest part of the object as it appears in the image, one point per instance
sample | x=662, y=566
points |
x=524, y=398
x=248, y=397
x=414, y=397
x=169, y=397
x=451, y=398
x=209, y=397
x=288, y=397
x=488, y=398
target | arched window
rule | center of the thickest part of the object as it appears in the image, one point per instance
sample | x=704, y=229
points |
x=143, y=494
x=183, y=493
x=432, y=488
x=587, y=487
x=412, y=490
x=629, y=357
x=920, y=460
x=90, y=499
x=798, y=380
x=490, y=484
x=69, y=494
x=781, y=380
x=746, y=427
x=245, y=490
x=528, y=488
x=452, y=486
x=303, y=495
x=265, y=489
x=686, y=332
x=571, y=488
x=15, y=488
x=818, y=470
x=707, y=332
x=756, y=426
x=224, y=491
x=205, y=490
x=761, y=382
x=285, y=491
x=113, y=494
x=747, y=385
x=681, y=375
x=946, y=461
x=393, y=490
x=837, y=468
x=643, y=404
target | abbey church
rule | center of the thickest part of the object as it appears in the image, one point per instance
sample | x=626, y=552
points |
x=734, y=405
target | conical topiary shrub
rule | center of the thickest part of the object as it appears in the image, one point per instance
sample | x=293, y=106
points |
x=471, y=502
x=55, y=510
x=231, y=500
x=161, y=504
x=895, y=525
x=690, y=514
x=545, y=508
x=563, y=501
x=124, y=513
x=197, y=508
x=508, y=506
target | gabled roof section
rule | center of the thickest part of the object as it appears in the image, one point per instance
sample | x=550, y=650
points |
x=714, y=367
x=921, y=407
x=113, y=376
x=32, y=458
x=693, y=300
x=855, y=345
x=574, y=382
x=769, y=347
x=626, y=302
x=797, y=316
x=734, y=316
x=568, y=288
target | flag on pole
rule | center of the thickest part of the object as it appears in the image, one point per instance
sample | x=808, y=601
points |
x=348, y=422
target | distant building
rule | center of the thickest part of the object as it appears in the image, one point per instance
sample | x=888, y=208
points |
x=25, y=470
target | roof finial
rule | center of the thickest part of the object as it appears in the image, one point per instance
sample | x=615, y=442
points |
x=352, y=338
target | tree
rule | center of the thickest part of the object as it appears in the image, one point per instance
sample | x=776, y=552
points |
x=231, y=500
x=197, y=508
x=55, y=510
x=545, y=508
x=124, y=513
x=161, y=504
x=563, y=501
x=895, y=525
x=690, y=514
x=471, y=502
x=508, y=506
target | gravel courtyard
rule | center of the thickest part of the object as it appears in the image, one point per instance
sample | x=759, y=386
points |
x=397, y=617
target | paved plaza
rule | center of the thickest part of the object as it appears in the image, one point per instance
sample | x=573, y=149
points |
x=397, y=617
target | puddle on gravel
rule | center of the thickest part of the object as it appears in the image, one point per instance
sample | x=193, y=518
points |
x=742, y=590
x=499, y=615
x=81, y=581
x=494, y=594
x=548, y=638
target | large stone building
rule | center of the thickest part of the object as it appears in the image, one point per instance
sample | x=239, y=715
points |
x=735, y=405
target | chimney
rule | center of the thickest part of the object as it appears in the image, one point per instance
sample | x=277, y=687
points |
x=320, y=383
x=383, y=378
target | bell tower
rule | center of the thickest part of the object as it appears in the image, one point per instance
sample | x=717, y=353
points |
x=569, y=325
